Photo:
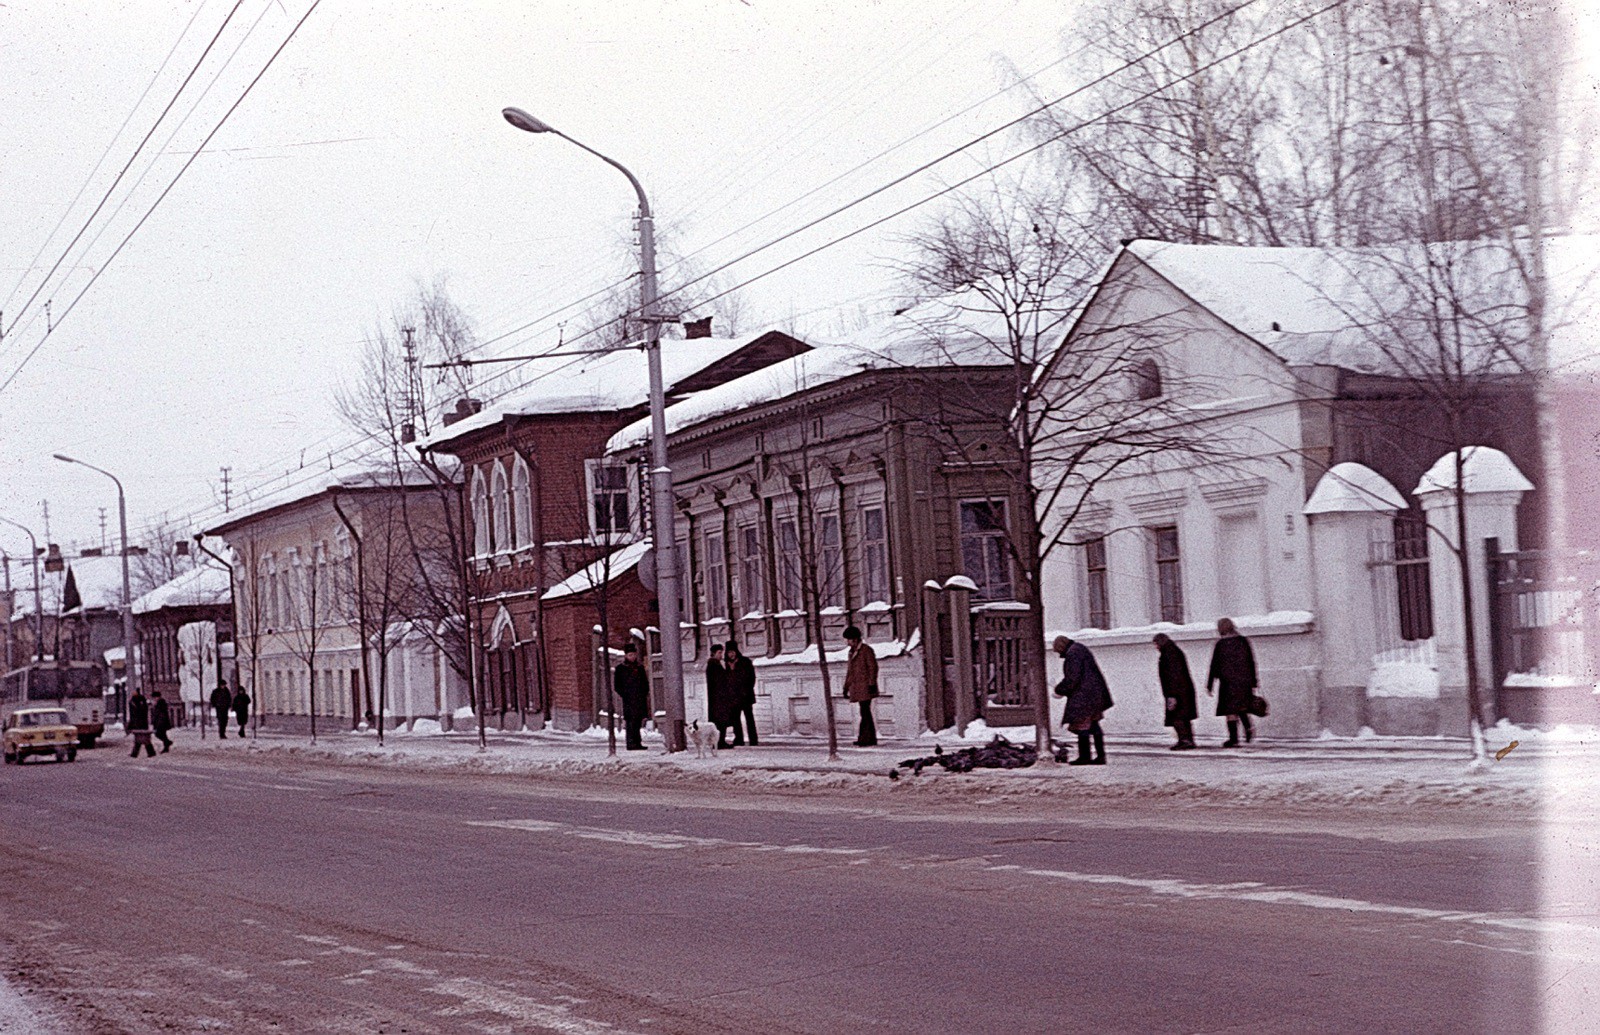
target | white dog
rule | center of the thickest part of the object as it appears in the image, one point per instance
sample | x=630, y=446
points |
x=705, y=739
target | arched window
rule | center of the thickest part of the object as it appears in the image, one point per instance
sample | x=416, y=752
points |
x=1147, y=380
x=482, y=545
x=521, y=504
x=500, y=526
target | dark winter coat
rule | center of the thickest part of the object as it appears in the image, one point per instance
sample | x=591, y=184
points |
x=742, y=681
x=138, y=713
x=161, y=716
x=1233, y=666
x=1083, y=685
x=721, y=707
x=1176, y=684
x=241, y=706
x=861, y=674
x=631, y=684
x=221, y=699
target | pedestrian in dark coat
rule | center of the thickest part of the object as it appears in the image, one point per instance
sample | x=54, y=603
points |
x=139, y=724
x=1088, y=699
x=221, y=702
x=1177, y=687
x=861, y=685
x=742, y=687
x=161, y=722
x=720, y=707
x=629, y=682
x=241, y=709
x=1233, y=668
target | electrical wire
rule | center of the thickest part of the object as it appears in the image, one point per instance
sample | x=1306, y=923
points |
x=157, y=203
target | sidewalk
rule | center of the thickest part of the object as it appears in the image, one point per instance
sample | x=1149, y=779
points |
x=1555, y=769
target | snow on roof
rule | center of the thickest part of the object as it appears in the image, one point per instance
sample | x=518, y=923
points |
x=202, y=585
x=1483, y=470
x=620, y=561
x=602, y=382
x=1334, y=306
x=1352, y=488
x=368, y=471
x=99, y=582
x=934, y=334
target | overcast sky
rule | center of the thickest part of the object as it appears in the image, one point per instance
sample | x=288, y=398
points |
x=373, y=155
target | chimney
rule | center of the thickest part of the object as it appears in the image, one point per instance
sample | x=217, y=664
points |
x=700, y=328
x=408, y=433
x=466, y=406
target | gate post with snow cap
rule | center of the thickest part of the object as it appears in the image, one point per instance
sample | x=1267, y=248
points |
x=1493, y=488
x=1350, y=512
x=961, y=589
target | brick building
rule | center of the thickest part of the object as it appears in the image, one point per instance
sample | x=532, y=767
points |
x=550, y=520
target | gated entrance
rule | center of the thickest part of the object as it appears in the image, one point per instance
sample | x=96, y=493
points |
x=1544, y=624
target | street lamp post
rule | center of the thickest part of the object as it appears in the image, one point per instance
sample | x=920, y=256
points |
x=132, y=669
x=662, y=523
x=38, y=599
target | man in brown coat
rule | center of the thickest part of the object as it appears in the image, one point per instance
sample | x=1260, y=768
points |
x=861, y=684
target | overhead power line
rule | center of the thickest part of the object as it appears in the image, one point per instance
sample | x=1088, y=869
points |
x=162, y=196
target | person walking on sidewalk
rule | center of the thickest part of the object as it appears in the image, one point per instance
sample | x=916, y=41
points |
x=161, y=722
x=719, y=700
x=139, y=724
x=1088, y=699
x=861, y=684
x=1177, y=687
x=742, y=689
x=221, y=702
x=241, y=708
x=630, y=683
x=1233, y=667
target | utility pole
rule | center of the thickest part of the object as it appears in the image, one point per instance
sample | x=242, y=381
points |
x=10, y=604
x=102, y=528
x=409, y=425
x=227, y=489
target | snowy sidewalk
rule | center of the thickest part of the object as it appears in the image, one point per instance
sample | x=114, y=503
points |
x=1556, y=769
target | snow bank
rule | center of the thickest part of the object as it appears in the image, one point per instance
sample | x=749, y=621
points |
x=1403, y=679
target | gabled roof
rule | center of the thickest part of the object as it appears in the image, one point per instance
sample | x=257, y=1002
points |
x=200, y=586
x=360, y=474
x=618, y=381
x=1329, y=306
x=98, y=580
x=929, y=336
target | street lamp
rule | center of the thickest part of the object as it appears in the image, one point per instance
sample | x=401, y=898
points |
x=38, y=605
x=661, y=509
x=132, y=669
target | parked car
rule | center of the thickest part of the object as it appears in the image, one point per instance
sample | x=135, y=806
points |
x=39, y=731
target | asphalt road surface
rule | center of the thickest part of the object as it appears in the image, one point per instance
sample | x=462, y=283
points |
x=259, y=894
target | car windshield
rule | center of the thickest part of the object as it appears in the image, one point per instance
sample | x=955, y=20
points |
x=43, y=719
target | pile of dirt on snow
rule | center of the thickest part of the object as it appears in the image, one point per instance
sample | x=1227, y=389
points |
x=999, y=753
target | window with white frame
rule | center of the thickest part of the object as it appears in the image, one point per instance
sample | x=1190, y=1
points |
x=984, y=557
x=1097, y=587
x=1169, y=573
x=265, y=609
x=521, y=504
x=482, y=544
x=612, y=489
x=752, y=591
x=874, y=556
x=830, y=561
x=716, y=572
x=791, y=593
x=500, y=534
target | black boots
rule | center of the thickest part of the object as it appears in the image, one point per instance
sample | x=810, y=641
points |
x=1098, y=754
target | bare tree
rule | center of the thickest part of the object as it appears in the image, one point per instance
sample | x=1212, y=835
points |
x=311, y=602
x=424, y=534
x=165, y=556
x=1002, y=277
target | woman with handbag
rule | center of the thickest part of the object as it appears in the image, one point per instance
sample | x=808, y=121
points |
x=1233, y=668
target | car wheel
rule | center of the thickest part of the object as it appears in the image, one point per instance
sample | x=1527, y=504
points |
x=61, y=754
x=10, y=758
x=72, y=754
